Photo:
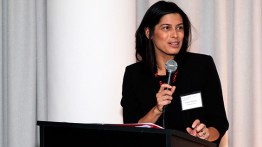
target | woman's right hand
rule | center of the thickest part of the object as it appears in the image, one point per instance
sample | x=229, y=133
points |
x=164, y=96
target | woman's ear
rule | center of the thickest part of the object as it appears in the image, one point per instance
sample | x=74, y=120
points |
x=147, y=32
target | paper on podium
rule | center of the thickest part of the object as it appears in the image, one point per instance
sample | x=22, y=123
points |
x=141, y=125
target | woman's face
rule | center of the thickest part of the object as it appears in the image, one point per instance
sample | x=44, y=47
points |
x=168, y=35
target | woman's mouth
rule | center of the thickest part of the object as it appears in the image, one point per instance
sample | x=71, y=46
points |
x=174, y=44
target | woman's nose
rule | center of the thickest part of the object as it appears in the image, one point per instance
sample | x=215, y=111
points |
x=174, y=33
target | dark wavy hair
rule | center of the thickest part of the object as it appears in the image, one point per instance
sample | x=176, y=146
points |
x=144, y=46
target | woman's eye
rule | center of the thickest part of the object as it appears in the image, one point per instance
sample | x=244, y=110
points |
x=165, y=28
x=180, y=27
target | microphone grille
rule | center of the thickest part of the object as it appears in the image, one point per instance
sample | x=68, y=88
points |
x=171, y=65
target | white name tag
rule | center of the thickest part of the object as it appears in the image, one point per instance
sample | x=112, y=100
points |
x=191, y=101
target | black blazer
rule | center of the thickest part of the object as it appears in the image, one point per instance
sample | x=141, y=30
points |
x=196, y=73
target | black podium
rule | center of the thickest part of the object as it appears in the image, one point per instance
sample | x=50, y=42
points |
x=64, y=134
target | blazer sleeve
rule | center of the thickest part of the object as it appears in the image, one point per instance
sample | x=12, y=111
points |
x=129, y=100
x=214, y=98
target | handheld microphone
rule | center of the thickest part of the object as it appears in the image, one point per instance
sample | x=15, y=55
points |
x=171, y=67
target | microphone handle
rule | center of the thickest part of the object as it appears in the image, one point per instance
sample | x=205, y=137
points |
x=169, y=78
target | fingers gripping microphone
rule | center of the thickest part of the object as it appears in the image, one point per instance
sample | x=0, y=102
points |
x=171, y=67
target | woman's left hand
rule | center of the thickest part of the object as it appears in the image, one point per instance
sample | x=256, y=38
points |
x=198, y=130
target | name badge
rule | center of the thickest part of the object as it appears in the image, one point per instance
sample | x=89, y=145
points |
x=191, y=101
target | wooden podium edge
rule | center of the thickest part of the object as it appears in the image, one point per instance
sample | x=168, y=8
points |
x=121, y=127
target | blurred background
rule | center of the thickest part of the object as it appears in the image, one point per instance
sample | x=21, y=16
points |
x=64, y=60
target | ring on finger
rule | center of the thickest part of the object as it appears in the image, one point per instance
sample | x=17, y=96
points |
x=204, y=133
